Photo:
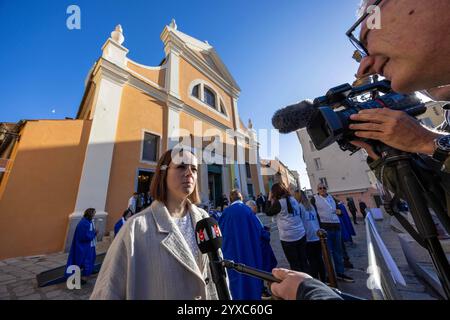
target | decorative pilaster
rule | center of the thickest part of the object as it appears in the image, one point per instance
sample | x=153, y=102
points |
x=94, y=182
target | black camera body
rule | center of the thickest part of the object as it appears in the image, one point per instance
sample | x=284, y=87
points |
x=331, y=120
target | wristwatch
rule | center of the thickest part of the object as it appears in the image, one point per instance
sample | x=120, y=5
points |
x=442, y=148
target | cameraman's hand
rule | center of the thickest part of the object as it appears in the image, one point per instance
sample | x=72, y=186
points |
x=367, y=147
x=394, y=128
x=291, y=280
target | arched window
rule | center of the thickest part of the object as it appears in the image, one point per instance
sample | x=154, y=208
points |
x=222, y=108
x=206, y=95
x=209, y=97
x=195, y=91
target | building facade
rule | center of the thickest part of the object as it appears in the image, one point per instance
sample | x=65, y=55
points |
x=344, y=175
x=52, y=170
x=275, y=171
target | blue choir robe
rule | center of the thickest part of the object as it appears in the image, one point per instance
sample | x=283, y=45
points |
x=269, y=259
x=215, y=214
x=118, y=225
x=242, y=235
x=82, y=251
x=347, y=229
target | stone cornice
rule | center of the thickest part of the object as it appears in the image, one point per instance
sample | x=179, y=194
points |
x=114, y=43
x=194, y=112
x=174, y=103
x=111, y=71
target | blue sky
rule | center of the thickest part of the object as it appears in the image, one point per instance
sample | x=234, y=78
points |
x=279, y=51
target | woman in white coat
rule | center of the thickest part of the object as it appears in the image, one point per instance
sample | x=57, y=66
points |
x=155, y=256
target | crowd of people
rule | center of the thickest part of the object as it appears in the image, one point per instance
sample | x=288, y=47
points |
x=155, y=255
x=169, y=221
x=245, y=238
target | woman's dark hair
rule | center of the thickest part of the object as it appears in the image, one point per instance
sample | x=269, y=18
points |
x=279, y=191
x=304, y=200
x=126, y=212
x=89, y=213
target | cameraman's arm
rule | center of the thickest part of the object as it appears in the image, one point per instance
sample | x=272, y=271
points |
x=272, y=209
x=300, y=286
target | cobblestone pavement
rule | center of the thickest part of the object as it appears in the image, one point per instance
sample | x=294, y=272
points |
x=18, y=275
x=18, y=278
x=415, y=289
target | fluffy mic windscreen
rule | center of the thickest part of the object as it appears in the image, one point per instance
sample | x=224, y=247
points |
x=208, y=235
x=294, y=117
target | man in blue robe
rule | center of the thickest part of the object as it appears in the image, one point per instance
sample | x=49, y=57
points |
x=242, y=236
x=128, y=213
x=82, y=251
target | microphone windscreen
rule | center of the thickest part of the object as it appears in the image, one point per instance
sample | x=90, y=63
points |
x=208, y=235
x=294, y=117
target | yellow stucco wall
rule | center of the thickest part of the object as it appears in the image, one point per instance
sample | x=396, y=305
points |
x=41, y=190
x=198, y=127
x=255, y=182
x=138, y=111
x=156, y=75
x=87, y=104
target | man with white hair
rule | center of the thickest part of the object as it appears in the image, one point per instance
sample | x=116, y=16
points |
x=327, y=211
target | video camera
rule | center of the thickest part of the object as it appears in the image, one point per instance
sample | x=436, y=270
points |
x=330, y=122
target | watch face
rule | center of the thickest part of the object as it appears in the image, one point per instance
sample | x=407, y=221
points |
x=444, y=143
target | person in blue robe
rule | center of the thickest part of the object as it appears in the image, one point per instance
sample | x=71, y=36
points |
x=215, y=214
x=269, y=259
x=242, y=236
x=82, y=251
x=128, y=213
x=347, y=229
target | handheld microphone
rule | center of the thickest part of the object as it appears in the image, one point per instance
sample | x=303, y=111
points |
x=294, y=117
x=209, y=240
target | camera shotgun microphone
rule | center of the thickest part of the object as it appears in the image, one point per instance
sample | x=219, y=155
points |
x=209, y=240
x=294, y=117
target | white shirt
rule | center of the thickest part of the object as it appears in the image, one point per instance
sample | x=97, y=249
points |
x=311, y=223
x=290, y=225
x=326, y=209
x=186, y=228
x=237, y=201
